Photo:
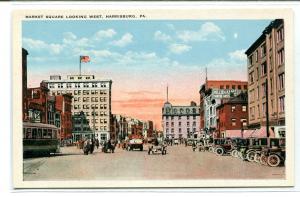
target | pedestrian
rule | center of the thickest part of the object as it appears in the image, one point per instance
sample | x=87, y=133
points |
x=86, y=147
x=92, y=145
x=97, y=143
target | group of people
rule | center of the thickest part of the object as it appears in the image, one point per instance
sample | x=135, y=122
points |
x=89, y=145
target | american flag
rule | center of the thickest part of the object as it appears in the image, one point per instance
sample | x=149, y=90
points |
x=85, y=59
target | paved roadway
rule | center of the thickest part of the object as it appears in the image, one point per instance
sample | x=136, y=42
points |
x=179, y=163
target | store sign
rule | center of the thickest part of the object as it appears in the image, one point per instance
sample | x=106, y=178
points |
x=217, y=93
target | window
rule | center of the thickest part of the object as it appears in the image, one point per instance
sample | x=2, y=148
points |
x=257, y=93
x=239, y=87
x=281, y=103
x=271, y=84
x=264, y=109
x=172, y=130
x=188, y=117
x=233, y=108
x=264, y=89
x=194, y=124
x=251, y=77
x=227, y=87
x=281, y=81
x=258, y=111
x=280, y=35
x=179, y=117
x=280, y=56
x=244, y=122
x=179, y=130
x=179, y=124
x=167, y=124
x=188, y=124
x=233, y=87
x=233, y=122
x=221, y=87
x=252, y=112
x=194, y=117
x=244, y=108
x=263, y=50
x=167, y=130
x=263, y=69
x=250, y=60
x=172, y=124
x=256, y=55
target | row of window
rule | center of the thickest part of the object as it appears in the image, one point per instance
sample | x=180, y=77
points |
x=281, y=108
x=181, y=110
x=263, y=90
x=233, y=87
x=102, y=128
x=90, y=99
x=87, y=121
x=263, y=49
x=77, y=85
x=180, y=130
x=179, y=117
x=179, y=124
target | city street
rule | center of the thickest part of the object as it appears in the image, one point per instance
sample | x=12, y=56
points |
x=179, y=163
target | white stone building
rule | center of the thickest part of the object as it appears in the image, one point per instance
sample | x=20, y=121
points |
x=180, y=121
x=90, y=95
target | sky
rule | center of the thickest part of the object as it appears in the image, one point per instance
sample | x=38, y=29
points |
x=142, y=58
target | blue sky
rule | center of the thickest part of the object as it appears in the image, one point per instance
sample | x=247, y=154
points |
x=142, y=57
x=182, y=41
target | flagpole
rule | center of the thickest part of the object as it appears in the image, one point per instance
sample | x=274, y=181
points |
x=80, y=65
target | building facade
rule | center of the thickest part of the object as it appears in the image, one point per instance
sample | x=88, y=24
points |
x=63, y=106
x=232, y=116
x=266, y=79
x=180, y=121
x=90, y=96
x=211, y=95
x=24, y=84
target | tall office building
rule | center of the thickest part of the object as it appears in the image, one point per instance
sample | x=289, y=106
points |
x=91, y=96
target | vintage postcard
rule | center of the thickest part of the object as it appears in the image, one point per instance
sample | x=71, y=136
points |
x=152, y=98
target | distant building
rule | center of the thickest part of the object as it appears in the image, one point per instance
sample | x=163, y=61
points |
x=90, y=95
x=148, y=129
x=232, y=116
x=180, y=121
x=211, y=94
x=266, y=78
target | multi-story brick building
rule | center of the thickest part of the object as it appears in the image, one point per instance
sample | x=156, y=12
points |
x=90, y=95
x=180, y=121
x=37, y=99
x=63, y=106
x=232, y=116
x=266, y=79
x=211, y=94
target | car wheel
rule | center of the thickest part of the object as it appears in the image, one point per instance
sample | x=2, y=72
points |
x=263, y=160
x=273, y=160
x=234, y=153
x=250, y=156
x=219, y=151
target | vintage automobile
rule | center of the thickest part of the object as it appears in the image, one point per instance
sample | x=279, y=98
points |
x=274, y=154
x=158, y=146
x=135, y=142
x=176, y=141
x=239, y=144
x=255, y=145
x=205, y=144
x=222, y=146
